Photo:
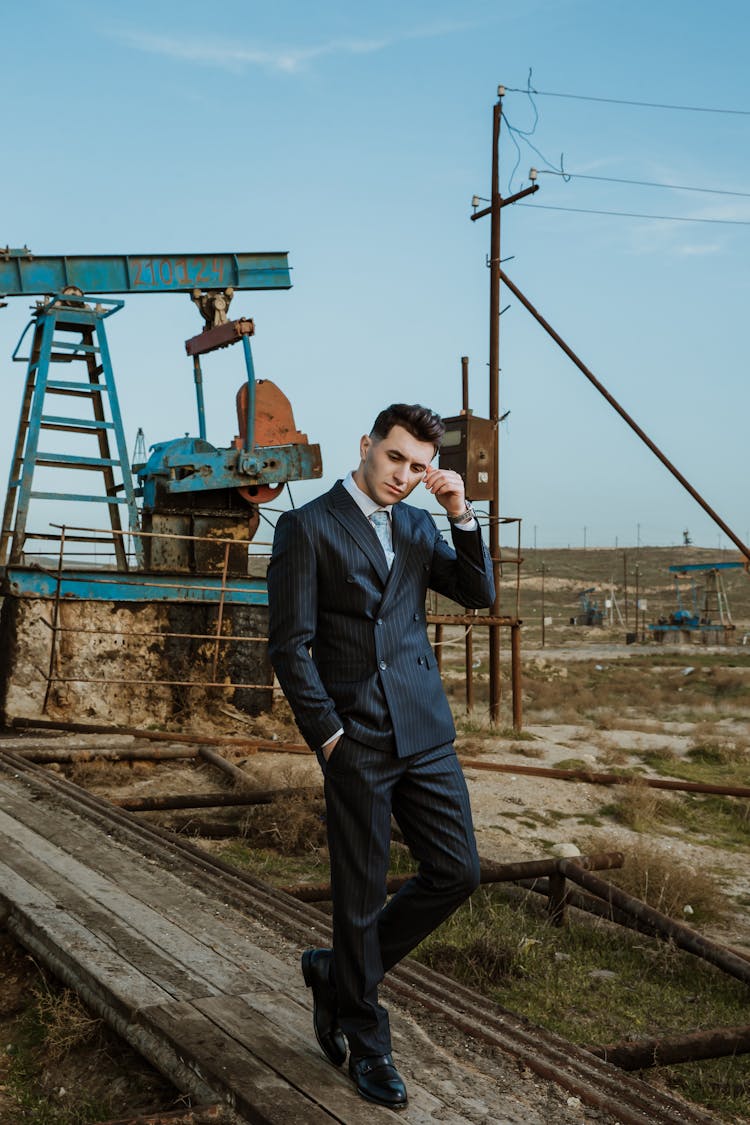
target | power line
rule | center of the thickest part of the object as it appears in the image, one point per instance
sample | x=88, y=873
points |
x=642, y=183
x=625, y=101
x=636, y=215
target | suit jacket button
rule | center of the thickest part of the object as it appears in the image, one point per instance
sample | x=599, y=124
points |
x=416, y=617
x=420, y=660
x=379, y=621
x=382, y=665
x=350, y=578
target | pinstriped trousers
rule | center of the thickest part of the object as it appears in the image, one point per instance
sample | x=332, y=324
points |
x=427, y=795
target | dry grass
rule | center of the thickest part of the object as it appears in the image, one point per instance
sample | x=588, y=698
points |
x=637, y=806
x=712, y=752
x=293, y=824
x=666, y=883
x=67, y=1024
x=104, y=771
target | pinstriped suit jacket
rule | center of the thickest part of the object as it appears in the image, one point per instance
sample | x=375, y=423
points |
x=348, y=638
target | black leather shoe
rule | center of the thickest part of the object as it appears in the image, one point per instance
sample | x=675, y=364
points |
x=316, y=967
x=377, y=1079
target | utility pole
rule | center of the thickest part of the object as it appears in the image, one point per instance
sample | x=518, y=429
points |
x=494, y=209
x=625, y=584
x=494, y=637
x=543, y=606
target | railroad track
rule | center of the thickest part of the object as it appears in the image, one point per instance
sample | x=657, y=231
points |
x=629, y=1100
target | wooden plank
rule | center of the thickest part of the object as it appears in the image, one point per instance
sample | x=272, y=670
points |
x=94, y=960
x=146, y=934
x=228, y=960
x=258, y=1093
x=111, y=990
x=293, y=1053
x=138, y=933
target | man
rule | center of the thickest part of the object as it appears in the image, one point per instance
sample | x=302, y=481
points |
x=348, y=640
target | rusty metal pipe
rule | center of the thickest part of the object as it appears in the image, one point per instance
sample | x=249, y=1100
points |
x=208, y=800
x=625, y=416
x=469, y=619
x=469, y=667
x=490, y=873
x=250, y=745
x=681, y=935
x=592, y=778
x=516, y=676
x=717, y=1043
x=237, y=775
x=464, y=384
x=108, y=754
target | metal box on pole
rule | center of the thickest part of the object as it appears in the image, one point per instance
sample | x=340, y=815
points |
x=468, y=448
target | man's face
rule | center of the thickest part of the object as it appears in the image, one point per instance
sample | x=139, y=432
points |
x=392, y=467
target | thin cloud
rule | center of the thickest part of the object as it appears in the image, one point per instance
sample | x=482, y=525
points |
x=282, y=60
x=694, y=250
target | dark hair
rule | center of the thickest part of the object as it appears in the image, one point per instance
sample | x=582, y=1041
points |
x=419, y=421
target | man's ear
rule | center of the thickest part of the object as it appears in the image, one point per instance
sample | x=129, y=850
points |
x=364, y=444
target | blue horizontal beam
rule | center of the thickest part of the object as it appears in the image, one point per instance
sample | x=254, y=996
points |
x=54, y=421
x=64, y=385
x=101, y=585
x=79, y=497
x=696, y=568
x=143, y=273
x=75, y=460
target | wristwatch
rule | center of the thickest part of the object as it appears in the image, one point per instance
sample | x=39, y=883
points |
x=466, y=516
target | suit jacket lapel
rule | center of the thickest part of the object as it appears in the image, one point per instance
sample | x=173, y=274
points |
x=345, y=510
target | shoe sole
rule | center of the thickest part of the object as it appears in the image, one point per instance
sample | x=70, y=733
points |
x=397, y=1106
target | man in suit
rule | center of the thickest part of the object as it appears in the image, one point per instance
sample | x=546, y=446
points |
x=348, y=641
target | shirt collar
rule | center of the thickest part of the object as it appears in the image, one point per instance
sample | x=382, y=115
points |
x=364, y=502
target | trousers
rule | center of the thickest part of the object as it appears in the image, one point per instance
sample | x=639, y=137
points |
x=427, y=796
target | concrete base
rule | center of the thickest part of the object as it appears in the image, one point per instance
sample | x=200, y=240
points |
x=108, y=658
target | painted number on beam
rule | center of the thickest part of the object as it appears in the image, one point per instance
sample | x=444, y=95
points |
x=177, y=273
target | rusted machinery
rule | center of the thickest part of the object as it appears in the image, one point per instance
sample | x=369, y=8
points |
x=178, y=604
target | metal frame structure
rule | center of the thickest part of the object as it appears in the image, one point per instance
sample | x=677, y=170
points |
x=54, y=323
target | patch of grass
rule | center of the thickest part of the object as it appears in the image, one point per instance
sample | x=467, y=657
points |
x=719, y=753
x=713, y=763
x=531, y=750
x=658, y=757
x=719, y=821
x=637, y=806
x=572, y=764
x=54, y=1025
x=273, y=867
x=614, y=756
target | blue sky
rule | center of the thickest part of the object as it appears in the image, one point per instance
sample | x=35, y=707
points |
x=354, y=136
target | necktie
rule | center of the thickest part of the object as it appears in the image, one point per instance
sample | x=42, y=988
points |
x=381, y=521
